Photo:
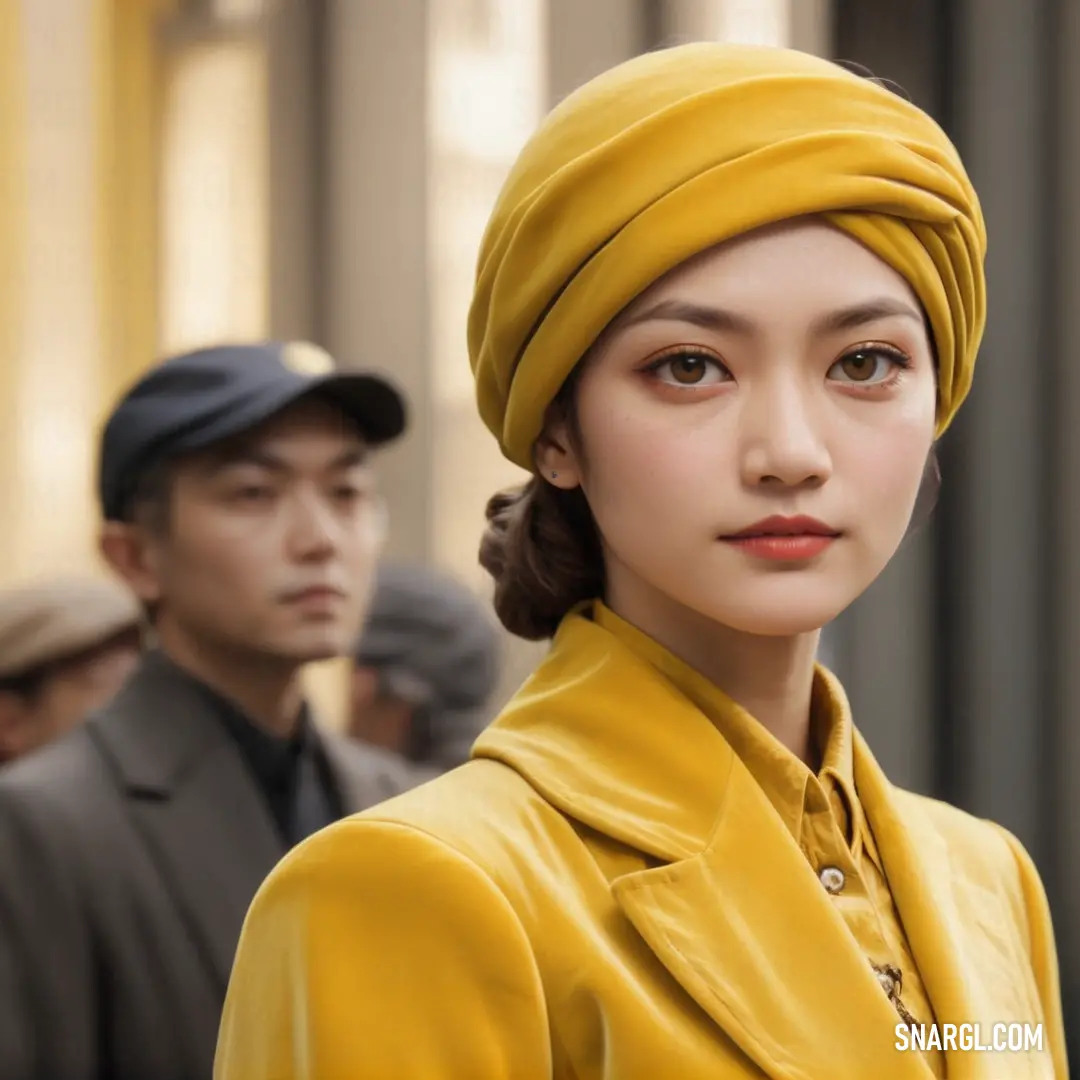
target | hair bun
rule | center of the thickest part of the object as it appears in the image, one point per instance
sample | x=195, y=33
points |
x=542, y=550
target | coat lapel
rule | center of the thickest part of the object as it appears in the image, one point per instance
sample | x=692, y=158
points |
x=194, y=802
x=748, y=931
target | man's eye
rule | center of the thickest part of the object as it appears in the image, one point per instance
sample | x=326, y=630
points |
x=254, y=493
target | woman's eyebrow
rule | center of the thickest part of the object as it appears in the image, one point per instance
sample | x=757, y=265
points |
x=716, y=318
x=703, y=315
x=874, y=310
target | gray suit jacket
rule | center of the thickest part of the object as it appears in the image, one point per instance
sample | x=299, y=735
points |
x=129, y=853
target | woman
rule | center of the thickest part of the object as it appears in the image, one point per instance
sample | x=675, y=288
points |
x=727, y=300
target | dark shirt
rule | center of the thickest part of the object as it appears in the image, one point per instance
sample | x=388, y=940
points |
x=292, y=772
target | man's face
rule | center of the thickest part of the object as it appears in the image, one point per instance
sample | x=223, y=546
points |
x=270, y=542
x=65, y=695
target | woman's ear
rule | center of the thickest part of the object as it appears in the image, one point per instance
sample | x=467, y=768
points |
x=557, y=462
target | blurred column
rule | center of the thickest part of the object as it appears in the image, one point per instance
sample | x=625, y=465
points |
x=297, y=168
x=128, y=153
x=376, y=302
x=1001, y=544
x=1013, y=550
x=78, y=284
x=751, y=22
x=487, y=91
x=796, y=24
x=1064, y=377
x=57, y=361
x=214, y=205
x=810, y=26
x=586, y=39
x=13, y=123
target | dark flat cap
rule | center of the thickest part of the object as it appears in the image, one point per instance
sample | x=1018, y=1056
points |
x=46, y=621
x=192, y=401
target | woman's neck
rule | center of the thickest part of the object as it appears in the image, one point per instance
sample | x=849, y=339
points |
x=772, y=678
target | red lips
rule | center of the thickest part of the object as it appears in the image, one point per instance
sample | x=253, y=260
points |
x=785, y=526
x=784, y=539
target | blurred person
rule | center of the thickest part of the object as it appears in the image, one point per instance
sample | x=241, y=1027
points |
x=728, y=299
x=240, y=506
x=66, y=647
x=426, y=668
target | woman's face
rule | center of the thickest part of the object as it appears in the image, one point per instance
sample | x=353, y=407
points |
x=753, y=431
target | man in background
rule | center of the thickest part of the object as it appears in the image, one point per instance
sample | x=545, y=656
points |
x=427, y=665
x=240, y=506
x=67, y=645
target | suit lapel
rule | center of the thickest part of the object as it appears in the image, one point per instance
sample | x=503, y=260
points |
x=194, y=802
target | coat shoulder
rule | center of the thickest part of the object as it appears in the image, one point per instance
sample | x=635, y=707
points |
x=966, y=835
x=482, y=814
x=57, y=779
x=482, y=809
x=387, y=916
x=982, y=852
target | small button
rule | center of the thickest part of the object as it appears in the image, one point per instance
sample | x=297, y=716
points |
x=832, y=877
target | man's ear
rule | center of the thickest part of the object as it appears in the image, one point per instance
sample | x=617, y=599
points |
x=130, y=552
x=557, y=462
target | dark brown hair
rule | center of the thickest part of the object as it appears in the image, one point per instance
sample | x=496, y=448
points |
x=151, y=499
x=541, y=544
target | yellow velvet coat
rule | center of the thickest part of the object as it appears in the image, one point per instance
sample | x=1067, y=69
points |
x=606, y=894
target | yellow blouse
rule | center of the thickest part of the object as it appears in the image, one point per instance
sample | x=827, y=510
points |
x=606, y=893
x=822, y=813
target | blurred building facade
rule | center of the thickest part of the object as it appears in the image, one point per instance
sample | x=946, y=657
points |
x=178, y=171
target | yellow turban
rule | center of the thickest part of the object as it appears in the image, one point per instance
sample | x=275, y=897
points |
x=675, y=151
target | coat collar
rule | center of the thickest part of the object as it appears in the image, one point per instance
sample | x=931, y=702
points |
x=734, y=912
x=192, y=799
x=609, y=741
x=196, y=803
x=617, y=672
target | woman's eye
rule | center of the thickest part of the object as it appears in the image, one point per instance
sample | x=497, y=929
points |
x=690, y=369
x=866, y=366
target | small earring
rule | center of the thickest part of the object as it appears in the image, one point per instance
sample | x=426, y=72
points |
x=554, y=475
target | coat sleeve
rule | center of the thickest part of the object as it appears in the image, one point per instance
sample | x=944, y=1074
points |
x=1043, y=955
x=375, y=950
x=47, y=1019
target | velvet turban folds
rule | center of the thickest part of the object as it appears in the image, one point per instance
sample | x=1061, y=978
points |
x=674, y=152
